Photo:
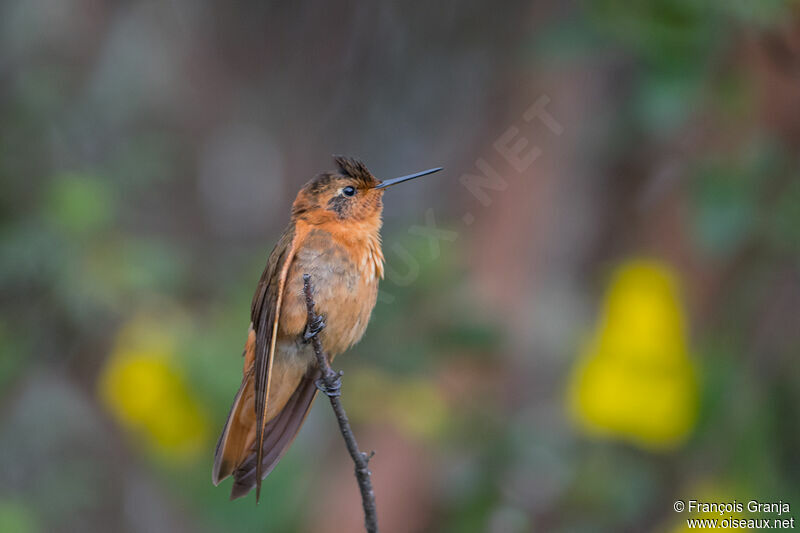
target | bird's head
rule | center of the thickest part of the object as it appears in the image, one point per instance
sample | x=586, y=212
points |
x=349, y=194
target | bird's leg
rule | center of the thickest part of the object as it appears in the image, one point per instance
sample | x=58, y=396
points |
x=331, y=385
x=313, y=327
x=331, y=382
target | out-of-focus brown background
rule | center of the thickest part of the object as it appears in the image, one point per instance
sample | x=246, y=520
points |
x=591, y=313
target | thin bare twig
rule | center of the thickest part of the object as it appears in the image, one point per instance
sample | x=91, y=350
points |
x=331, y=384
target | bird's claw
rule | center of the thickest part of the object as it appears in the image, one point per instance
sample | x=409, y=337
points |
x=333, y=389
x=313, y=328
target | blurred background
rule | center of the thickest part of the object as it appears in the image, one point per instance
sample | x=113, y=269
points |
x=592, y=313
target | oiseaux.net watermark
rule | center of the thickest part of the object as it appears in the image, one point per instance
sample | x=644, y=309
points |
x=514, y=152
x=734, y=514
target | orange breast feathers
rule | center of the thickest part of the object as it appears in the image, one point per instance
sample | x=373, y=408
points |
x=345, y=265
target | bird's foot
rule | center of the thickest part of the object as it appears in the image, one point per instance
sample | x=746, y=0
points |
x=313, y=328
x=332, y=386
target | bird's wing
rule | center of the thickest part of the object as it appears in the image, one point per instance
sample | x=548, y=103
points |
x=237, y=436
x=265, y=314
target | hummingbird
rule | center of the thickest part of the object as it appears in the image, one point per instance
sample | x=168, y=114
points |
x=334, y=237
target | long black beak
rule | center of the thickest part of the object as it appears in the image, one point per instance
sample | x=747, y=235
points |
x=401, y=179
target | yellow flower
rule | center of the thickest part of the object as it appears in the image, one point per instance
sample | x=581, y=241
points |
x=146, y=392
x=634, y=378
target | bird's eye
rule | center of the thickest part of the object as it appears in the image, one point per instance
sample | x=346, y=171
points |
x=349, y=191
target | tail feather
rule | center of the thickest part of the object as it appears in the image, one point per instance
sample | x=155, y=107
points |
x=236, y=435
x=236, y=450
x=279, y=433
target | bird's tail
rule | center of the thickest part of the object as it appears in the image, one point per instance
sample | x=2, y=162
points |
x=236, y=450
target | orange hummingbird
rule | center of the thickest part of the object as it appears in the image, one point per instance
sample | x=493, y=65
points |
x=334, y=236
